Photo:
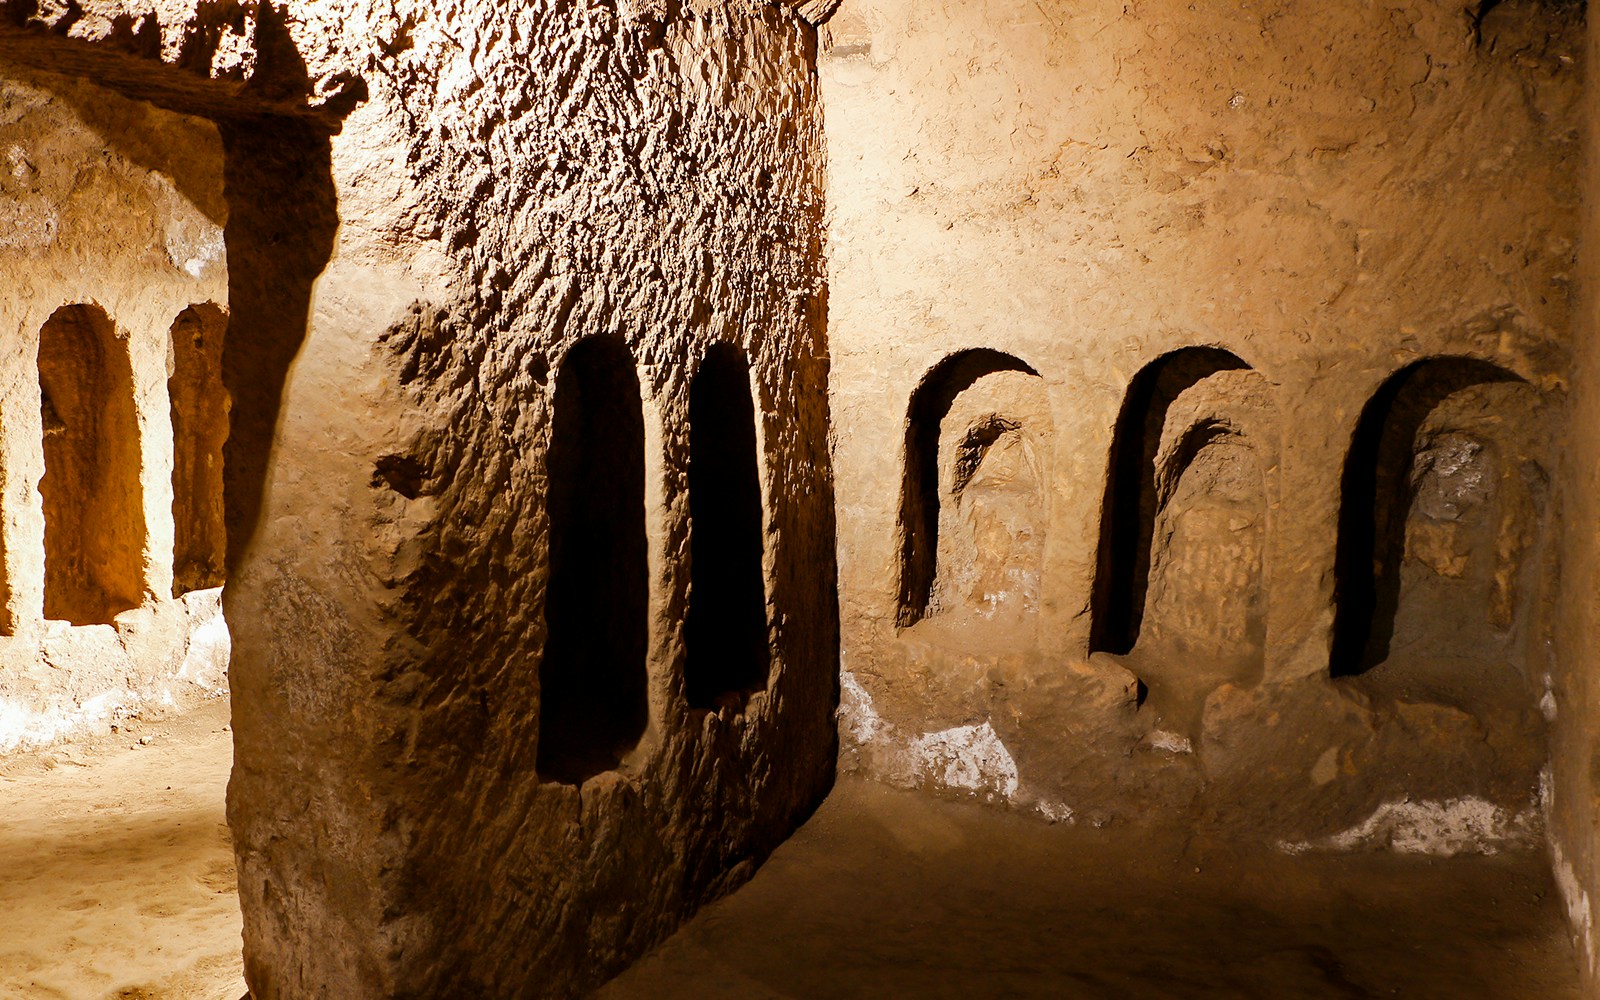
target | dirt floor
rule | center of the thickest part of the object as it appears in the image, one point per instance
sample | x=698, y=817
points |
x=116, y=880
x=893, y=894
x=116, y=873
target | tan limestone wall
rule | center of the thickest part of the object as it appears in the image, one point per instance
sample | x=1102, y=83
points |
x=427, y=207
x=113, y=214
x=405, y=293
x=1329, y=194
x=1574, y=821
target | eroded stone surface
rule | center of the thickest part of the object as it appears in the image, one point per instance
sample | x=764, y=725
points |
x=520, y=178
x=118, y=218
x=1573, y=707
x=1091, y=189
x=427, y=206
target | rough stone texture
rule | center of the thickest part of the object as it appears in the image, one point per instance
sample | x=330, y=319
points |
x=114, y=210
x=1574, y=699
x=426, y=207
x=404, y=293
x=308, y=59
x=199, y=432
x=1331, y=193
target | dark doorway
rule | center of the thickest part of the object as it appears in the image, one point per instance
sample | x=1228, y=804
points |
x=593, y=682
x=725, y=631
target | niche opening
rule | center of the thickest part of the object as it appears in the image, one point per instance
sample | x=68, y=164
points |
x=725, y=629
x=920, y=489
x=94, y=525
x=1204, y=620
x=593, y=699
x=1441, y=502
x=199, y=430
x=1131, y=505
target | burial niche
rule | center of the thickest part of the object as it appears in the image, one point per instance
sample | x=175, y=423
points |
x=1204, y=621
x=94, y=525
x=1132, y=497
x=199, y=430
x=1441, y=523
x=972, y=513
x=593, y=698
x=725, y=628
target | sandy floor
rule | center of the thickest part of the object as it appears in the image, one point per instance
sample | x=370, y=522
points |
x=116, y=876
x=886, y=894
x=116, y=880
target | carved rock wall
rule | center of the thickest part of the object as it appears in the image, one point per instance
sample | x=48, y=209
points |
x=1318, y=196
x=407, y=293
x=1574, y=819
x=113, y=219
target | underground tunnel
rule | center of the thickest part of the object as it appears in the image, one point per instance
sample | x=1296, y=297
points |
x=762, y=498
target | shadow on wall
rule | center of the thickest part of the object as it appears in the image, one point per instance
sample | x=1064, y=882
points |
x=1443, y=499
x=282, y=223
x=282, y=219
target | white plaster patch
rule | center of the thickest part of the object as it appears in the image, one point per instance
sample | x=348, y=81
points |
x=970, y=757
x=1169, y=742
x=205, y=662
x=102, y=674
x=192, y=241
x=1580, y=915
x=204, y=251
x=28, y=223
x=1466, y=825
x=1055, y=812
x=858, y=719
x=23, y=726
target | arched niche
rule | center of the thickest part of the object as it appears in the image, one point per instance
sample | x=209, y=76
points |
x=1204, y=617
x=94, y=524
x=1132, y=500
x=1441, y=519
x=973, y=490
x=593, y=697
x=725, y=626
x=199, y=406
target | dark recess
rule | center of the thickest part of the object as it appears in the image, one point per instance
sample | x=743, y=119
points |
x=725, y=630
x=1375, y=497
x=1128, y=516
x=198, y=404
x=93, y=516
x=919, y=493
x=593, y=699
